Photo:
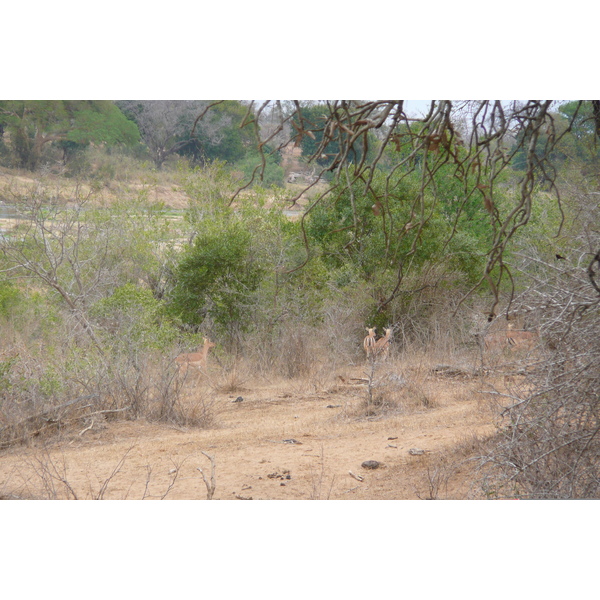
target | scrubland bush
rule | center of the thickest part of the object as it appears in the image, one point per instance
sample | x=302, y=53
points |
x=81, y=329
x=46, y=390
x=547, y=446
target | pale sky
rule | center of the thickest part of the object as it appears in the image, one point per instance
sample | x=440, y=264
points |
x=415, y=108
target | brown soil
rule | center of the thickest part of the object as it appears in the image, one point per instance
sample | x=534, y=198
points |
x=285, y=440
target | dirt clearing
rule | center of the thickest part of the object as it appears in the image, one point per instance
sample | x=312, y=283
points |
x=277, y=440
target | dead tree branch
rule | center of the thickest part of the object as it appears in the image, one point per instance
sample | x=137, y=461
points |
x=212, y=484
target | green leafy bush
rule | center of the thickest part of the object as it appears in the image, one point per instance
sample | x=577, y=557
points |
x=10, y=299
x=273, y=173
x=215, y=275
x=133, y=317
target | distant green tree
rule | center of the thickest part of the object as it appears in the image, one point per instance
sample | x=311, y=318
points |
x=209, y=189
x=172, y=127
x=273, y=173
x=216, y=274
x=133, y=318
x=219, y=135
x=571, y=132
x=33, y=124
x=314, y=118
x=10, y=298
x=581, y=117
x=360, y=229
x=583, y=128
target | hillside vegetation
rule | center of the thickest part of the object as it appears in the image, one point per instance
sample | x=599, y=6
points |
x=134, y=231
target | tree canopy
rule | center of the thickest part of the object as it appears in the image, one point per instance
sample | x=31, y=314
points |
x=472, y=144
x=172, y=127
x=32, y=124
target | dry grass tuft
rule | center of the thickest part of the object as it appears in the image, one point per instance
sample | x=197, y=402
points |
x=455, y=475
x=234, y=381
x=416, y=396
x=200, y=412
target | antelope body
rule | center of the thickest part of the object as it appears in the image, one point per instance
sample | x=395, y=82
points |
x=521, y=338
x=197, y=360
x=369, y=342
x=511, y=338
x=382, y=345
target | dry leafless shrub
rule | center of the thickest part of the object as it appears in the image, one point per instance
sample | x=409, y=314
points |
x=81, y=368
x=296, y=353
x=319, y=490
x=259, y=350
x=42, y=396
x=437, y=474
x=47, y=475
x=549, y=445
x=382, y=403
x=201, y=412
x=416, y=397
x=287, y=349
x=443, y=474
x=383, y=389
x=211, y=484
x=140, y=384
x=234, y=380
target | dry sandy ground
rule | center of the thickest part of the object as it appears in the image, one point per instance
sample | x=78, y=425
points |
x=285, y=440
x=20, y=183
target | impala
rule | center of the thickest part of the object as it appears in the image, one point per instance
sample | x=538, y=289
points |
x=496, y=340
x=510, y=338
x=382, y=345
x=369, y=341
x=520, y=337
x=197, y=360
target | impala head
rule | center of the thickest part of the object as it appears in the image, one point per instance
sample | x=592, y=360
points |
x=371, y=331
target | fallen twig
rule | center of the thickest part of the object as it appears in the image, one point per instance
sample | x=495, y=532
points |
x=357, y=477
x=87, y=428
